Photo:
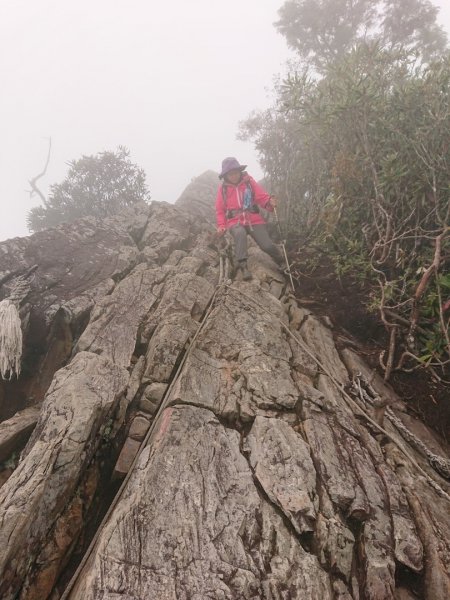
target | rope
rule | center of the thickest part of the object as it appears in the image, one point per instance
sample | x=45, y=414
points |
x=288, y=269
x=143, y=445
x=439, y=463
x=350, y=401
x=221, y=274
x=222, y=285
x=224, y=261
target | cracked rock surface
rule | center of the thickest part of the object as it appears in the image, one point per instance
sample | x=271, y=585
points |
x=253, y=476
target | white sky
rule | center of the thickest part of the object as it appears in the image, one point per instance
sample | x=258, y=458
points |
x=169, y=80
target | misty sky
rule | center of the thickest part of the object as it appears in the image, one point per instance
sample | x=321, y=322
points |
x=169, y=80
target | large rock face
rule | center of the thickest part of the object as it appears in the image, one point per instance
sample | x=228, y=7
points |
x=250, y=471
x=199, y=196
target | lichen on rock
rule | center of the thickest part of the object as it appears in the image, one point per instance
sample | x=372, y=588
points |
x=246, y=472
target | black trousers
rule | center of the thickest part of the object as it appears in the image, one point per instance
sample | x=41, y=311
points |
x=261, y=237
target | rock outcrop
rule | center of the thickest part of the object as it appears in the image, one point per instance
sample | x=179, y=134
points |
x=250, y=465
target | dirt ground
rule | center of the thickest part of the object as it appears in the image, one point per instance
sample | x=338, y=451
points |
x=343, y=301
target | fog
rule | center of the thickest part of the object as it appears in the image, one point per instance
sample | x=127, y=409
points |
x=169, y=80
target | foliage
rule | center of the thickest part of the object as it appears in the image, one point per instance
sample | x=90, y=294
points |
x=322, y=31
x=99, y=185
x=362, y=158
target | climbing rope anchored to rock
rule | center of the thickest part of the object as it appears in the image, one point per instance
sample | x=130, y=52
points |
x=222, y=289
x=283, y=246
x=152, y=431
x=356, y=409
x=369, y=396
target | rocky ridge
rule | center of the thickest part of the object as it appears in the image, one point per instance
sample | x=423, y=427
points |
x=259, y=476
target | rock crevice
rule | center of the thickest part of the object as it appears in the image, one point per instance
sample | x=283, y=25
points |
x=252, y=475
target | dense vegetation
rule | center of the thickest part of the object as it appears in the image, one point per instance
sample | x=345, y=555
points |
x=322, y=31
x=98, y=185
x=358, y=146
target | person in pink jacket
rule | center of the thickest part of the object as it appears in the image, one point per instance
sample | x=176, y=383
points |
x=238, y=201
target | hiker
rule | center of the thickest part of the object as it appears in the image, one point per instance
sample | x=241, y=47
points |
x=239, y=199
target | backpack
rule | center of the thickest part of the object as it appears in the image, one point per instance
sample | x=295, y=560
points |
x=248, y=201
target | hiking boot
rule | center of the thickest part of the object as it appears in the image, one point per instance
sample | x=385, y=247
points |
x=246, y=275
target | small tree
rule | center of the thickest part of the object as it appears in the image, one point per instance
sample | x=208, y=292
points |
x=99, y=185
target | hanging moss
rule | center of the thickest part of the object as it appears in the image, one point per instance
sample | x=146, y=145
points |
x=10, y=340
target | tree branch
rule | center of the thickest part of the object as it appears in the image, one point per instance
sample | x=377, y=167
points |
x=32, y=182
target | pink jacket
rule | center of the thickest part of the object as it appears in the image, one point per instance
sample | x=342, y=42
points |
x=234, y=198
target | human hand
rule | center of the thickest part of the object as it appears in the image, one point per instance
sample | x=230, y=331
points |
x=221, y=230
x=273, y=202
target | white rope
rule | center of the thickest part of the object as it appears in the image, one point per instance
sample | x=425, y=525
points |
x=224, y=263
x=440, y=464
x=146, y=441
x=288, y=269
x=350, y=401
x=10, y=340
x=222, y=285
